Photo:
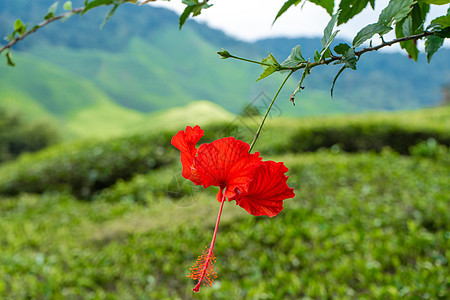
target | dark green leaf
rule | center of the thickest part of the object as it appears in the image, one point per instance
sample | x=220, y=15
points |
x=335, y=78
x=285, y=7
x=444, y=21
x=341, y=48
x=411, y=47
x=418, y=15
x=395, y=11
x=349, y=59
x=187, y=11
x=95, y=3
x=194, y=7
x=368, y=32
x=9, y=61
x=350, y=8
x=270, y=66
x=294, y=58
x=436, y=2
x=327, y=4
x=432, y=45
x=109, y=14
x=444, y=33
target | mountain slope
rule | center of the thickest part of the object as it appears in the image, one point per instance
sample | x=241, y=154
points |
x=141, y=63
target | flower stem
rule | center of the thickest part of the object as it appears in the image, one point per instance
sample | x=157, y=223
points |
x=268, y=110
x=205, y=268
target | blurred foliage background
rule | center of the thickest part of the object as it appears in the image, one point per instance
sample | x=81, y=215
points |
x=114, y=219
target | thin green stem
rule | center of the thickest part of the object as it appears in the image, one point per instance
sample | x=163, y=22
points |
x=268, y=111
x=250, y=61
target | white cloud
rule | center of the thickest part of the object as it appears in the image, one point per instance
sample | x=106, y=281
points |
x=250, y=20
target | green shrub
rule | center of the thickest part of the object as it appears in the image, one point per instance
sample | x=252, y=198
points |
x=18, y=136
x=86, y=167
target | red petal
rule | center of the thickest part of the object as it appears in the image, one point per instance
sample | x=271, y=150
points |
x=226, y=163
x=185, y=141
x=265, y=194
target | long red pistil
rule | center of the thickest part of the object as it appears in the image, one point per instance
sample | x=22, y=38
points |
x=204, y=263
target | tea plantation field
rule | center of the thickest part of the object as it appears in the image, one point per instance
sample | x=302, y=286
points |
x=114, y=219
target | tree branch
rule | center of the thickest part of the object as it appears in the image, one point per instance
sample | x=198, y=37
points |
x=75, y=11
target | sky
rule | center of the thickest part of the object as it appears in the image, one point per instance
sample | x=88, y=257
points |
x=250, y=20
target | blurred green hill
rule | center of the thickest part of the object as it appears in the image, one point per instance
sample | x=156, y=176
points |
x=96, y=82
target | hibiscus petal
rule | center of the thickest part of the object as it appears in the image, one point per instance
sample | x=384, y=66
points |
x=226, y=163
x=185, y=141
x=265, y=194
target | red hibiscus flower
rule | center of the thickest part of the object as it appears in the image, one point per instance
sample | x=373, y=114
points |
x=258, y=187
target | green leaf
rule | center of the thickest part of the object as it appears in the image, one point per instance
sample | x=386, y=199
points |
x=328, y=36
x=327, y=4
x=444, y=33
x=316, y=56
x=444, y=21
x=19, y=27
x=67, y=5
x=270, y=66
x=418, y=15
x=436, y=2
x=349, y=59
x=341, y=48
x=402, y=29
x=395, y=11
x=350, y=8
x=432, y=45
x=187, y=11
x=294, y=58
x=328, y=31
x=96, y=3
x=194, y=7
x=9, y=61
x=109, y=14
x=335, y=78
x=285, y=7
x=368, y=32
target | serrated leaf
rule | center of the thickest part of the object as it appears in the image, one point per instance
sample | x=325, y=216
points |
x=335, y=78
x=418, y=15
x=444, y=21
x=395, y=11
x=326, y=50
x=341, y=48
x=349, y=59
x=285, y=7
x=67, y=5
x=270, y=65
x=368, y=32
x=327, y=4
x=294, y=58
x=328, y=31
x=350, y=8
x=432, y=45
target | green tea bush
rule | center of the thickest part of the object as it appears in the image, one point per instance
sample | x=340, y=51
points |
x=18, y=135
x=86, y=167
